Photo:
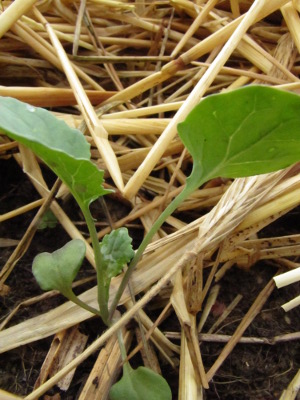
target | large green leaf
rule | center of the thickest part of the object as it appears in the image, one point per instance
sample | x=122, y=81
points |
x=62, y=148
x=248, y=131
x=244, y=132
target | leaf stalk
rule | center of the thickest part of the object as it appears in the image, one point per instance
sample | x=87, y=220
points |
x=102, y=301
x=187, y=190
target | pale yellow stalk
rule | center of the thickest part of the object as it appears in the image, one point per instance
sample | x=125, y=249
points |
x=8, y=396
x=195, y=25
x=13, y=13
x=189, y=389
x=291, y=304
x=290, y=393
x=287, y=278
x=46, y=50
x=51, y=97
x=235, y=8
x=292, y=20
x=98, y=132
x=21, y=210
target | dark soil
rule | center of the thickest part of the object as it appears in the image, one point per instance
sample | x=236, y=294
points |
x=252, y=371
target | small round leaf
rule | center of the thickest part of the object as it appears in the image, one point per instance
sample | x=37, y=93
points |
x=57, y=270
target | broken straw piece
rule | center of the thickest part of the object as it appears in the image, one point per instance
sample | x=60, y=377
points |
x=287, y=278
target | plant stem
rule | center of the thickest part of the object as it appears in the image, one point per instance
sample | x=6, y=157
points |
x=70, y=295
x=157, y=224
x=100, y=273
x=126, y=365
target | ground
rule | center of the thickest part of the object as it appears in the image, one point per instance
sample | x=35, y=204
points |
x=252, y=371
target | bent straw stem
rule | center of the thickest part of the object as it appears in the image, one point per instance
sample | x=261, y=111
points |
x=13, y=13
x=97, y=130
x=195, y=25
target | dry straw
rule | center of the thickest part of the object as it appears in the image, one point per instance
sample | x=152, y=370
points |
x=13, y=13
x=96, y=129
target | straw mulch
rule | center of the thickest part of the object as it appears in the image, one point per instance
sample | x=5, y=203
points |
x=126, y=73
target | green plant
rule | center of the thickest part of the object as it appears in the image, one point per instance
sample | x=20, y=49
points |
x=48, y=220
x=66, y=152
x=249, y=131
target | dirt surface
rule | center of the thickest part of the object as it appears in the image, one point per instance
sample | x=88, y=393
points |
x=252, y=371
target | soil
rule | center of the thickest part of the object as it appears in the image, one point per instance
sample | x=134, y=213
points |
x=252, y=371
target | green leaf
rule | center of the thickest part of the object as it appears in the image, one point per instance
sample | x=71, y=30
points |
x=116, y=251
x=62, y=148
x=48, y=220
x=57, y=270
x=140, y=384
x=249, y=131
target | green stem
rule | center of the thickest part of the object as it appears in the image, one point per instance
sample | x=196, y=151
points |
x=157, y=224
x=70, y=295
x=103, y=306
x=126, y=365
